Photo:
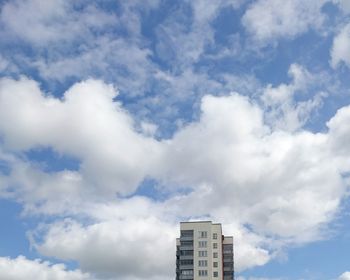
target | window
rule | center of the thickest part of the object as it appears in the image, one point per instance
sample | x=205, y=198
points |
x=186, y=243
x=215, y=255
x=186, y=252
x=202, y=234
x=202, y=244
x=186, y=233
x=215, y=236
x=215, y=274
x=202, y=272
x=228, y=248
x=215, y=264
x=187, y=272
x=202, y=253
x=186, y=262
x=202, y=263
x=215, y=245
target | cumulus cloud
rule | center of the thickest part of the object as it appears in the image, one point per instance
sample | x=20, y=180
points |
x=22, y=268
x=270, y=19
x=230, y=154
x=340, y=48
x=249, y=164
x=339, y=131
x=86, y=124
x=344, y=276
x=120, y=249
x=40, y=191
x=229, y=165
x=249, y=247
x=129, y=232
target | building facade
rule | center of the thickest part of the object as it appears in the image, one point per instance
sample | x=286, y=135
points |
x=203, y=252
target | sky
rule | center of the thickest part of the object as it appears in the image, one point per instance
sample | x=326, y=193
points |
x=119, y=119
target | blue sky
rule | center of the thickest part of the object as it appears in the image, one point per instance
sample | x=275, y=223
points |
x=119, y=119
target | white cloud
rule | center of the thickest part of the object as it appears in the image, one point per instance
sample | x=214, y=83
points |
x=344, y=276
x=270, y=19
x=343, y=4
x=139, y=248
x=230, y=154
x=40, y=192
x=188, y=87
x=340, y=49
x=339, y=130
x=80, y=40
x=237, y=169
x=183, y=42
x=206, y=11
x=249, y=248
x=86, y=124
x=148, y=129
x=42, y=22
x=282, y=111
x=133, y=239
x=275, y=183
x=115, y=59
x=22, y=268
x=180, y=46
x=339, y=127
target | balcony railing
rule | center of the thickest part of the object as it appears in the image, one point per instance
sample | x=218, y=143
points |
x=186, y=238
x=188, y=257
x=186, y=266
x=186, y=247
x=186, y=277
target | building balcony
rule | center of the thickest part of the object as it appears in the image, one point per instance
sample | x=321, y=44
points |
x=186, y=266
x=186, y=247
x=186, y=238
x=189, y=257
x=186, y=277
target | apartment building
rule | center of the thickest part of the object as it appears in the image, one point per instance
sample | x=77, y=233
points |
x=203, y=252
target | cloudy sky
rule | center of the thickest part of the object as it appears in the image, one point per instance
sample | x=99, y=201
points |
x=119, y=119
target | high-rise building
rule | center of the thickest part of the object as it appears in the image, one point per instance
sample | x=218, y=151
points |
x=203, y=252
